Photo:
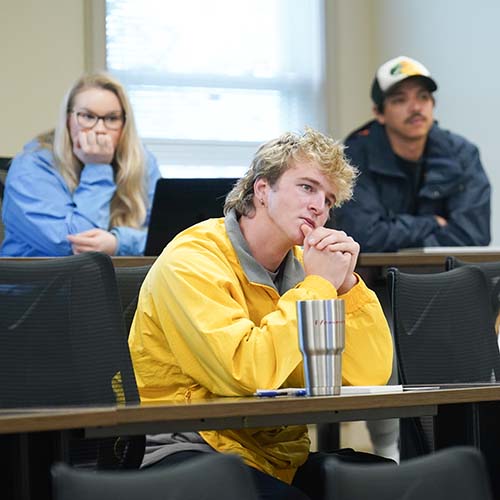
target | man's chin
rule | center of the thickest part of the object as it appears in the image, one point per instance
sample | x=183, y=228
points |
x=299, y=241
x=418, y=131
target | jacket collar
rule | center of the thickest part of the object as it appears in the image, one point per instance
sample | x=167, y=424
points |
x=293, y=272
x=442, y=167
x=381, y=158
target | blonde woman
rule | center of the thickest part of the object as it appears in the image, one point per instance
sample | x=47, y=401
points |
x=85, y=186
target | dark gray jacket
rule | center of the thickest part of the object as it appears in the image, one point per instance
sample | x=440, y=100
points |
x=384, y=215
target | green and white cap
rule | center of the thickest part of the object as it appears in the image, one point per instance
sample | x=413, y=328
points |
x=396, y=70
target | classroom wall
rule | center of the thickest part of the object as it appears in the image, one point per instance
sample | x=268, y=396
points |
x=350, y=56
x=43, y=49
x=41, y=54
x=458, y=40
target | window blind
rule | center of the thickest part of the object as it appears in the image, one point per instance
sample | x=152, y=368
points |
x=211, y=80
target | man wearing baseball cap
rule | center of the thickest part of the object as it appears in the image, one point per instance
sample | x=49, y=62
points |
x=419, y=185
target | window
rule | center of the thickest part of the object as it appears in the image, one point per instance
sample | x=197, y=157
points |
x=211, y=80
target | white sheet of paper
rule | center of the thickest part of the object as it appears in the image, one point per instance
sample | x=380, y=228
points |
x=369, y=389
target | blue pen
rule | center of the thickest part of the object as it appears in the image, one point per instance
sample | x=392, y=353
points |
x=289, y=391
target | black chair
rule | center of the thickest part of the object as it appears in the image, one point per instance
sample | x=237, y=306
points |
x=129, y=280
x=4, y=168
x=209, y=477
x=63, y=343
x=492, y=273
x=62, y=338
x=451, y=474
x=444, y=333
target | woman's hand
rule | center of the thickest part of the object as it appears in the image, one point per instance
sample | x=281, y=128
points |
x=92, y=147
x=94, y=240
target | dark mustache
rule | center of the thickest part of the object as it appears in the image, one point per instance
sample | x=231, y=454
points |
x=414, y=115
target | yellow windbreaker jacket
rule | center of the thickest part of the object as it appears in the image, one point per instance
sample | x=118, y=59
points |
x=210, y=322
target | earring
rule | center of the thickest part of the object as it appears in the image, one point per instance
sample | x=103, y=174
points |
x=261, y=202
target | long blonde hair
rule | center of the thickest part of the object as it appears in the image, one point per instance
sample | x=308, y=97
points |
x=128, y=206
x=276, y=156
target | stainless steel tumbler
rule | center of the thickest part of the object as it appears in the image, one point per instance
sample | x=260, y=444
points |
x=321, y=327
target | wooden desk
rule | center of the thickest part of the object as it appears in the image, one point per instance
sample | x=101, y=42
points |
x=239, y=412
x=372, y=260
x=463, y=416
x=224, y=413
x=366, y=260
x=132, y=261
x=117, y=261
x=397, y=259
x=417, y=259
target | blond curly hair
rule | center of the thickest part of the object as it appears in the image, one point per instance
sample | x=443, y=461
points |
x=276, y=156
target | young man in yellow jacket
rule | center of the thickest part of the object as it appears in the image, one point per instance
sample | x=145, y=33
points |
x=217, y=312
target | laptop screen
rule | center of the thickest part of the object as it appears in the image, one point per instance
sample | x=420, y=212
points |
x=180, y=203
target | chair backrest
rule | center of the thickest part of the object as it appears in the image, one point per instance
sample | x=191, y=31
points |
x=129, y=280
x=212, y=476
x=4, y=167
x=451, y=474
x=62, y=336
x=443, y=328
x=444, y=333
x=492, y=272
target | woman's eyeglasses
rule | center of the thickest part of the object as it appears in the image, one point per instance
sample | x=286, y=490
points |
x=86, y=119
